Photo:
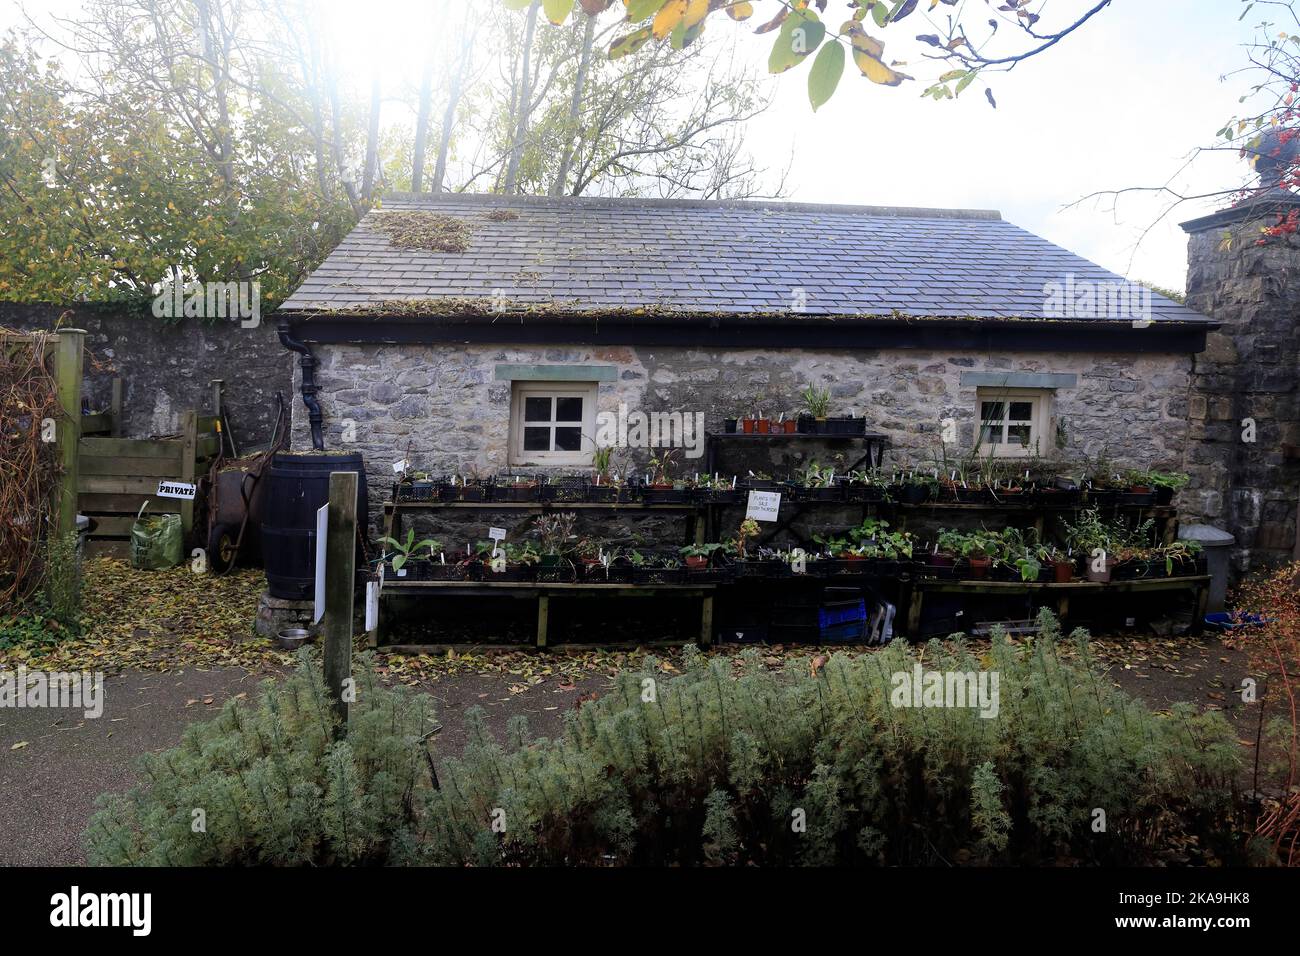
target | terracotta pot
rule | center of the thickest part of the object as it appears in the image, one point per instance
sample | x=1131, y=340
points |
x=979, y=567
x=764, y=426
x=791, y=426
x=1063, y=571
x=697, y=562
x=747, y=425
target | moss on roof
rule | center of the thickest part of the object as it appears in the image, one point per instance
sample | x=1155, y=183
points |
x=419, y=229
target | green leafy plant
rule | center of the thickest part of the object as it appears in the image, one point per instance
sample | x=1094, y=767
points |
x=817, y=401
x=404, y=551
x=662, y=466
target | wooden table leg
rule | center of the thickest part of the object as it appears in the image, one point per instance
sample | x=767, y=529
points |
x=706, y=621
x=543, y=618
x=914, y=612
x=1202, y=602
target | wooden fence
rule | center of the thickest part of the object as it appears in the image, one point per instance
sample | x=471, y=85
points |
x=119, y=475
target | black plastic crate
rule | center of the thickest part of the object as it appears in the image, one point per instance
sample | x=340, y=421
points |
x=565, y=488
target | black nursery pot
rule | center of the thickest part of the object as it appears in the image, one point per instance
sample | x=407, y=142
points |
x=911, y=494
x=516, y=492
x=729, y=425
x=1164, y=496
x=664, y=496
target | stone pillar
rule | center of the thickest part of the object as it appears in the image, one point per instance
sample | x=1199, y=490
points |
x=1243, y=449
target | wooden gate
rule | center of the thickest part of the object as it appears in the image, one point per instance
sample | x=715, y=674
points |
x=119, y=475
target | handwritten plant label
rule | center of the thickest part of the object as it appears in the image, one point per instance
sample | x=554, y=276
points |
x=763, y=505
x=176, y=489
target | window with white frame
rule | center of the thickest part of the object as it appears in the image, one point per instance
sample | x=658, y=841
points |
x=552, y=423
x=1013, y=422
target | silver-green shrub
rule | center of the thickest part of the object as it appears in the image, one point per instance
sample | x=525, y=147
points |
x=727, y=763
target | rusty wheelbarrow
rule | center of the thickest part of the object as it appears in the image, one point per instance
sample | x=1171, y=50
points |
x=234, y=492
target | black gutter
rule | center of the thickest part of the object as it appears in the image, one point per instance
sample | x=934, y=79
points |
x=308, y=365
x=1178, y=336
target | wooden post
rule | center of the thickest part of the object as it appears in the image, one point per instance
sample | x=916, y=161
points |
x=340, y=581
x=189, y=438
x=115, y=410
x=706, y=620
x=68, y=369
x=543, y=618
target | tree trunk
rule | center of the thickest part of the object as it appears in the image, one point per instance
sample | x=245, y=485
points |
x=524, y=105
x=422, y=125
x=575, y=109
x=372, y=141
x=453, y=101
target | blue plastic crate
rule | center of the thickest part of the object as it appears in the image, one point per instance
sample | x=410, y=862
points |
x=831, y=616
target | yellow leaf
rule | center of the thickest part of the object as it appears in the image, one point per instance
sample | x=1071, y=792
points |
x=740, y=11
x=696, y=10
x=668, y=17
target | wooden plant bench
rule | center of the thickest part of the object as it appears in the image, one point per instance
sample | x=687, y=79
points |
x=543, y=593
x=1198, y=584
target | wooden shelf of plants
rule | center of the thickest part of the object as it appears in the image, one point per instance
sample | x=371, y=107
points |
x=1129, y=517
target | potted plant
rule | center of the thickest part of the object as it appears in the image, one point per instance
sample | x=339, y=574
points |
x=915, y=489
x=591, y=559
x=516, y=488
x=1097, y=542
x=661, y=487
x=521, y=562
x=1057, y=561
x=698, y=556
x=759, y=481
x=1168, y=484
x=555, y=532
x=564, y=488
x=404, y=553
x=947, y=548
x=1181, y=557
x=864, y=485
x=657, y=568
x=715, y=489
x=817, y=483
x=817, y=404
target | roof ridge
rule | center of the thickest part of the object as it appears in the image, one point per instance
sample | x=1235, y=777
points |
x=895, y=212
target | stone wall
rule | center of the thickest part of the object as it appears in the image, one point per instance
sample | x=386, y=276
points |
x=444, y=408
x=1249, y=373
x=167, y=368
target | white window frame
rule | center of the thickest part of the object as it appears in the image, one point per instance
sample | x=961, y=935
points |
x=1039, y=421
x=521, y=390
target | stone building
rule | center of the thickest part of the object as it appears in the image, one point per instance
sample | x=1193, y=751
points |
x=491, y=333
x=1243, y=438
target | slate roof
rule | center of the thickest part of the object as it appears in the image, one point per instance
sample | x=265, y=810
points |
x=710, y=257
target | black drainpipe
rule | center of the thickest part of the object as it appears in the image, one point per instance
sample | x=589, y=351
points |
x=308, y=365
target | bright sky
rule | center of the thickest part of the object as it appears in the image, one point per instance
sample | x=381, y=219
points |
x=1120, y=103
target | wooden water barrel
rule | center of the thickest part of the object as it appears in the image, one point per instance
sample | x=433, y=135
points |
x=298, y=486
